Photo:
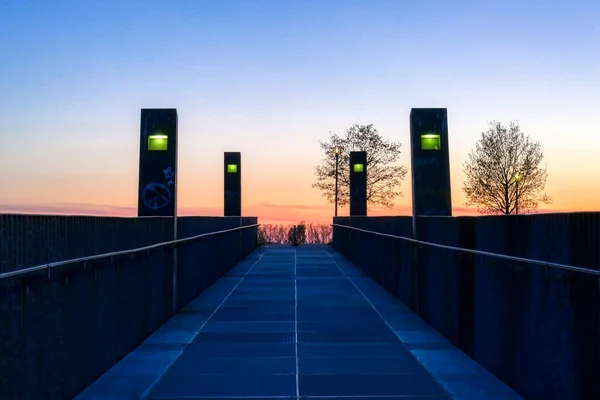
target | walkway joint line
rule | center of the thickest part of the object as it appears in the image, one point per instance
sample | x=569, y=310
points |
x=145, y=394
x=296, y=322
x=385, y=321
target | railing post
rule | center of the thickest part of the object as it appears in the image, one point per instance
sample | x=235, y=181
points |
x=175, y=266
x=414, y=292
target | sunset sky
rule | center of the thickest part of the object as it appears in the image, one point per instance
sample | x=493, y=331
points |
x=271, y=79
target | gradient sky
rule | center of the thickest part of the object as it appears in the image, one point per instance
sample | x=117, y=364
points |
x=271, y=79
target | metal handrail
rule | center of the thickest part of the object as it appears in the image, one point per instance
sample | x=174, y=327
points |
x=117, y=253
x=479, y=252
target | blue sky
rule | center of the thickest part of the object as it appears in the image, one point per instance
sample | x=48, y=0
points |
x=271, y=78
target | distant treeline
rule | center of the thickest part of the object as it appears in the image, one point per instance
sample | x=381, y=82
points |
x=305, y=233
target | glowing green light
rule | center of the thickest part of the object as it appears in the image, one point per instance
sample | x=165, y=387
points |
x=359, y=167
x=158, y=142
x=232, y=168
x=430, y=142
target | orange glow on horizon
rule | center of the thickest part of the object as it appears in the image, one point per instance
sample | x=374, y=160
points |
x=267, y=213
x=271, y=194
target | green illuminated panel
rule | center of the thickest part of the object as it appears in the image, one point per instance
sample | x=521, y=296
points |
x=157, y=142
x=359, y=167
x=430, y=142
x=232, y=168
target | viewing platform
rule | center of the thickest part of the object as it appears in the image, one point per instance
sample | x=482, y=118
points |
x=296, y=322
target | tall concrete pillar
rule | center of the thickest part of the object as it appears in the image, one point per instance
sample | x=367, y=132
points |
x=233, y=184
x=430, y=161
x=358, y=183
x=157, y=189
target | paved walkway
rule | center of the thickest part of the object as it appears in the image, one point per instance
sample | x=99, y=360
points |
x=296, y=323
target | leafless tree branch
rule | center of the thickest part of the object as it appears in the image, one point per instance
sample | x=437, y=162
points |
x=383, y=178
x=504, y=170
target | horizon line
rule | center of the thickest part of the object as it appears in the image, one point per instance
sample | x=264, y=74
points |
x=95, y=210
